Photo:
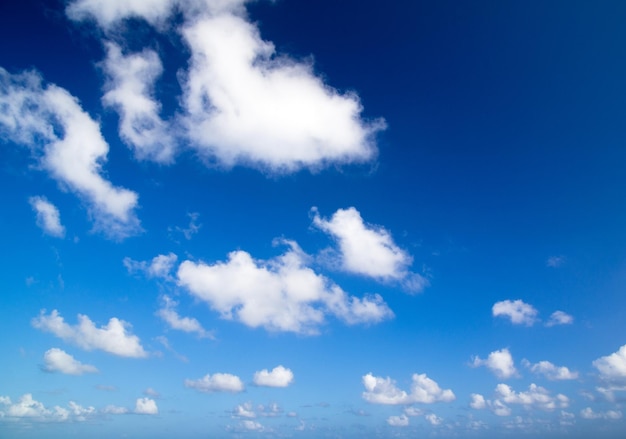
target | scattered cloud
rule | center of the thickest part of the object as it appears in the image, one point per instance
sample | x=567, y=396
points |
x=369, y=250
x=186, y=324
x=48, y=217
x=57, y=360
x=560, y=318
x=244, y=410
x=588, y=413
x=251, y=425
x=612, y=367
x=218, y=382
x=69, y=146
x=551, y=371
x=398, y=421
x=115, y=410
x=146, y=406
x=433, y=419
x=477, y=401
x=536, y=396
x=109, y=12
x=159, y=267
x=278, y=377
x=555, y=261
x=424, y=390
x=517, y=311
x=113, y=338
x=28, y=408
x=281, y=294
x=499, y=362
x=151, y=392
x=192, y=228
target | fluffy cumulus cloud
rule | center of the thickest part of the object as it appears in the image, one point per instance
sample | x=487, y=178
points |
x=186, y=324
x=551, y=371
x=28, y=408
x=146, y=406
x=588, y=413
x=517, y=311
x=218, y=382
x=398, y=421
x=57, y=360
x=612, y=367
x=560, y=318
x=499, y=362
x=477, y=401
x=159, y=267
x=369, y=250
x=379, y=390
x=109, y=12
x=129, y=89
x=48, y=217
x=277, y=377
x=281, y=294
x=536, y=396
x=113, y=338
x=68, y=144
x=433, y=419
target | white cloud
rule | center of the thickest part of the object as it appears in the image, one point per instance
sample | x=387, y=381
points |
x=281, y=294
x=129, y=89
x=551, y=371
x=433, y=419
x=536, y=396
x=560, y=318
x=588, y=413
x=278, y=377
x=146, y=406
x=115, y=410
x=519, y=312
x=555, y=261
x=109, y=12
x=29, y=408
x=244, y=410
x=609, y=391
x=112, y=338
x=151, y=392
x=251, y=425
x=499, y=362
x=218, y=382
x=48, y=217
x=69, y=145
x=478, y=401
x=186, y=324
x=413, y=412
x=398, y=421
x=245, y=105
x=369, y=250
x=612, y=367
x=159, y=267
x=499, y=408
x=423, y=390
x=57, y=360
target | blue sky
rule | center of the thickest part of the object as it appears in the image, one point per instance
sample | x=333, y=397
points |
x=312, y=219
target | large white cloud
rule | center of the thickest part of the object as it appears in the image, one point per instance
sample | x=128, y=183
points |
x=499, y=362
x=186, y=324
x=69, y=145
x=218, y=382
x=280, y=376
x=613, y=366
x=129, y=89
x=113, y=338
x=57, y=360
x=29, y=408
x=48, y=217
x=379, y=390
x=519, y=312
x=281, y=294
x=551, y=371
x=245, y=105
x=369, y=250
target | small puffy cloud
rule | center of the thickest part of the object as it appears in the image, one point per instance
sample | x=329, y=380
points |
x=113, y=338
x=244, y=410
x=536, y=396
x=57, y=360
x=369, y=250
x=159, y=267
x=424, y=390
x=28, y=408
x=186, y=324
x=281, y=294
x=48, y=217
x=109, y=12
x=433, y=419
x=477, y=401
x=551, y=371
x=398, y=421
x=251, y=425
x=499, y=362
x=588, y=413
x=218, y=382
x=560, y=318
x=129, y=89
x=517, y=311
x=245, y=105
x=146, y=406
x=555, y=261
x=278, y=377
x=69, y=145
x=413, y=412
x=612, y=367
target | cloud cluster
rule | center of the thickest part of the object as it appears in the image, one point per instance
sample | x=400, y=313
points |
x=536, y=397
x=277, y=377
x=28, y=408
x=247, y=410
x=57, y=360
x=69, y=146
x=588, y=413
x=281, y=294
x=218, y=382
x=48, y=217
x=369, y=250
x=379, y=390
x=499, y=362
x=113, y=338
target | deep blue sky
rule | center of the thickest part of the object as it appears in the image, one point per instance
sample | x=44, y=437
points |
x=497, y=182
